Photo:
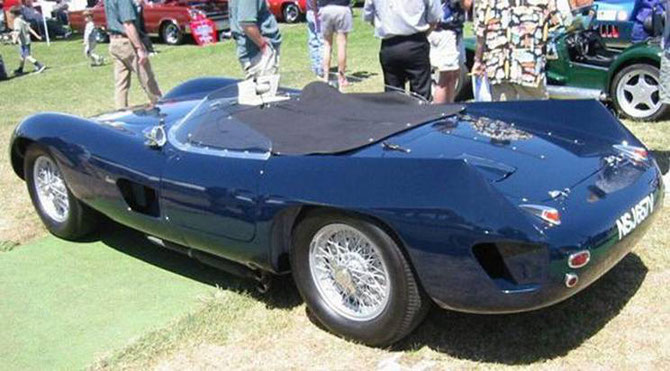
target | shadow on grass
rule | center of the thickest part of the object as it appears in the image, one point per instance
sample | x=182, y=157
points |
x=530, y=337
x=663, y=160
x=282, y=294
x=523, y=338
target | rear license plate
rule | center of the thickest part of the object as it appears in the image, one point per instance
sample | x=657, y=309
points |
x=637, y=214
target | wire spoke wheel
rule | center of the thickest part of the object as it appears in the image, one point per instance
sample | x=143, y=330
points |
x=349, y=272
x=50, y=187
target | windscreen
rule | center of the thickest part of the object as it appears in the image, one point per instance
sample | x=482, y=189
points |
x=212, y=126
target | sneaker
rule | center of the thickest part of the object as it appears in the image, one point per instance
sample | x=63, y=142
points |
x=18, y=72
x=40, y=68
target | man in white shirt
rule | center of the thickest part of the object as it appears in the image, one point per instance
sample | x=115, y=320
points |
x=405, y=51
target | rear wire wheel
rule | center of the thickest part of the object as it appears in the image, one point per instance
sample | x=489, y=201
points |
x=355, y=279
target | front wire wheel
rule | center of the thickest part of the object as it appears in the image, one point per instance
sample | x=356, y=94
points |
x=61, y=212
x=355, y=279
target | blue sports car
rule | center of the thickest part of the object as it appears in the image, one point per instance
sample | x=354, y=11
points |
x=378, y=204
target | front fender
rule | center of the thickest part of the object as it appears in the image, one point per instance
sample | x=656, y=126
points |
x=47, y=129
x=70, y=139
x=636, y=53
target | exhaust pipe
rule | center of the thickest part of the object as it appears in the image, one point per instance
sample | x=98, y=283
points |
x=262, y=278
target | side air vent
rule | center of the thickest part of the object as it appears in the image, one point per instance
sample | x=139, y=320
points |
x=489, y=258
x=139, y=198
x=513, y=264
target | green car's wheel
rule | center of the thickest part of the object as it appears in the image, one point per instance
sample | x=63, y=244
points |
x=635, y=92
x=355, y=279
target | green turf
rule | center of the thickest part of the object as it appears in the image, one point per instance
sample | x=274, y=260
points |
x=63, y=304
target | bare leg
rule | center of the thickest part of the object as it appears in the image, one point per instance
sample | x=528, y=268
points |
x=327, y=50
x=342, y=58
x=445, y=90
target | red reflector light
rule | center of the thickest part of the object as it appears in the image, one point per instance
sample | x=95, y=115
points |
x=571, y=280
x=579, y=259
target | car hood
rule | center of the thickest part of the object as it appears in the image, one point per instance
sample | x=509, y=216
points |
x=137, y=119
x=527, y=150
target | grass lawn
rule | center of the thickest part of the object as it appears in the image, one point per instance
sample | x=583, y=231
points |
x=121, y=303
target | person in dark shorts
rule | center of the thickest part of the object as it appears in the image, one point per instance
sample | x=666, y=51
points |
x=336, y=20
x=403, y=26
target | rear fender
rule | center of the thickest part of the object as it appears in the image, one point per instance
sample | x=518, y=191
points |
x=428, y=203
x=197, y=88
x=576, y=121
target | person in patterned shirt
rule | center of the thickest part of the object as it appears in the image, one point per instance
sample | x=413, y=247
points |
x=510, y=51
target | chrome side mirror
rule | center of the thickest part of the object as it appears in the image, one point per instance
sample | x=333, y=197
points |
x=155, y=137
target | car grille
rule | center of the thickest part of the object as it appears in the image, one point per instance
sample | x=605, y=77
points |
x=215, y=12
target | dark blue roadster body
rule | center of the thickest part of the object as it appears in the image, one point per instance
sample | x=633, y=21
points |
x=450, y=191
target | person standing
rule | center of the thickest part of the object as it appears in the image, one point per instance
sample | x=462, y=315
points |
x=128, y=52
x=336, y=20
x=314, y=37
x=664, y=85
x=21, y=35
x=90, y=41
x=510, y=46
x=445, y=49
x=405, y=51
x=256, y=33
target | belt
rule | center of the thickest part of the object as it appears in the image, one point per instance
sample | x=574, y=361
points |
x=449, y=27
x=117, y=36
x=419, y=36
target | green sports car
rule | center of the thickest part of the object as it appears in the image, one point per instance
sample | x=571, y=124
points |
x=581, y=66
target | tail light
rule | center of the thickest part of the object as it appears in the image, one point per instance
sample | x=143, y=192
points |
x=634, y=153
x=579, y=259
x=546, y=213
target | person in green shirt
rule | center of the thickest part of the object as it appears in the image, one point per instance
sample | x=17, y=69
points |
x=21, y=36
x=256, y=33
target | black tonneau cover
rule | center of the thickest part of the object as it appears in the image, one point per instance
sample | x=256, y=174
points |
x=323, y=120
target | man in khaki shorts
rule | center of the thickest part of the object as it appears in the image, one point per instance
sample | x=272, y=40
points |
x=128, y=52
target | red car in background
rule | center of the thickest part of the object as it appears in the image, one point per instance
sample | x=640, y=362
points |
x=289, y=11
x=168, y=19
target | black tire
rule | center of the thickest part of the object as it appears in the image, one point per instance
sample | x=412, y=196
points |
x=101, y=36
x=406, y=306
x=291, y=13
x=171, y=34
x=624, y=107
x=79, y=221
